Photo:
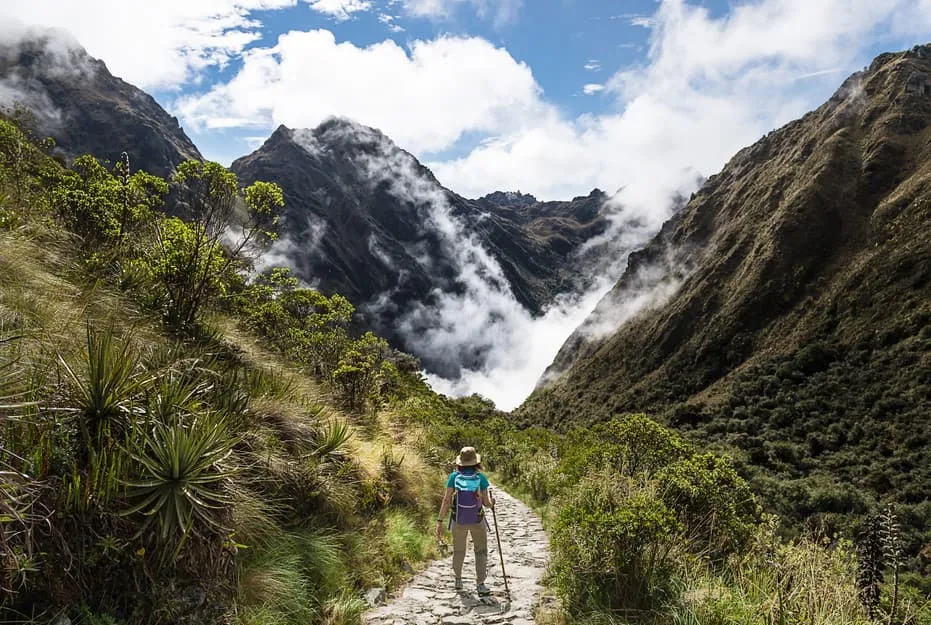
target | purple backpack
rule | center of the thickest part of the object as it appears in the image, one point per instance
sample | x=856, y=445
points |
x=468, y=502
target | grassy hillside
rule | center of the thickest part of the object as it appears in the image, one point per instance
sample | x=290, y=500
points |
x=158, y=466
x=799, y=333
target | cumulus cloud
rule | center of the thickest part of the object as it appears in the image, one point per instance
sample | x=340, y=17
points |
x=425, y=96
x=709, y=86
x=340, y=10
x=593, y=65
x=592, y=88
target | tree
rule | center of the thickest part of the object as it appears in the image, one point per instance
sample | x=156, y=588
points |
x=191, y=261
x=358, y=371
x=103, y=208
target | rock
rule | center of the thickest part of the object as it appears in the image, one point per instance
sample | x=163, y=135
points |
x=188, y=599
x=61, y=619
x=375, y=596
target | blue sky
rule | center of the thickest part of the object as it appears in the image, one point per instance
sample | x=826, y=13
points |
x=567, y=43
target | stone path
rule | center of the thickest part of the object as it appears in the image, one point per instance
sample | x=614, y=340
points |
x=430, y=598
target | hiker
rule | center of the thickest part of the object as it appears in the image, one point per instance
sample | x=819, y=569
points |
x=466, y=496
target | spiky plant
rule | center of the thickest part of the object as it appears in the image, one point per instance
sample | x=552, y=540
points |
x=174, y=394
x=181, y=480
x=891, y=539
x=870, y=565
x=105, y=389
x=332, y=440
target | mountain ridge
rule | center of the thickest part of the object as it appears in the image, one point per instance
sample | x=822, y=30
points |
x=796, y=327
x=366, y=219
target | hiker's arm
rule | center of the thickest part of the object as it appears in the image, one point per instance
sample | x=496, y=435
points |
x=487, y=500
x=444, y=508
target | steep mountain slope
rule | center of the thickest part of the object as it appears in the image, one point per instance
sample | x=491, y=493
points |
x=365, y=219
x=789, y=302
x=86, y=109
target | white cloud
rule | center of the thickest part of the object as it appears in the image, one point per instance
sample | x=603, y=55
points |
x=709, y=86
x=390, y=21
x=424, y=97
x=643, y=22
x=502, y=11
x=151, y=44
x=340, y=10
x=592, y=88
x=593, y=65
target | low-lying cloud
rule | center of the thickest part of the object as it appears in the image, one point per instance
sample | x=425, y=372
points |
x=53, y=53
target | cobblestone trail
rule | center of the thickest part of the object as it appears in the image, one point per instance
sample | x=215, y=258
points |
x=430, y=598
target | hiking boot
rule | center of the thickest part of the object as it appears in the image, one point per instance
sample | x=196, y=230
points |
x=482, y=590
x=458, y=584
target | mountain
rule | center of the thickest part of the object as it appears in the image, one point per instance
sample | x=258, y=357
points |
x=786, y=310
x=86, y=109
x=365, y=219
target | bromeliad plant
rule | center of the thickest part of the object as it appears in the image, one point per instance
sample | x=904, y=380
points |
x=182, y=476
x=105, y=390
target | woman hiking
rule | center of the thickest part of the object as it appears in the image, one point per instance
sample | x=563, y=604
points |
x=465, y=497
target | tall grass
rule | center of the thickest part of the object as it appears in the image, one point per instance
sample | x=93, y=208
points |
x=295, y=579
x=405, y=540
x=776, y=582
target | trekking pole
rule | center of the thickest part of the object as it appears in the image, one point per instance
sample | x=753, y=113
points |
x=494, y=515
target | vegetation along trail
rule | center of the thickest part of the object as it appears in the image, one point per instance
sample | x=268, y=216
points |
x=430, y=597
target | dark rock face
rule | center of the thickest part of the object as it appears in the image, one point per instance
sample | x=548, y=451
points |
x=365, y=219
x=86, y=109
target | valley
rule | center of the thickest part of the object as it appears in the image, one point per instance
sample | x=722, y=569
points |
x=228, y=394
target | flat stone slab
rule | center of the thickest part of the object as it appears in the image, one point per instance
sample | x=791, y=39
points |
x=431, y=599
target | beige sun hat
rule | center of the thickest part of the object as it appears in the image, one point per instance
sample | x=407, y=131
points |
x=468, y=457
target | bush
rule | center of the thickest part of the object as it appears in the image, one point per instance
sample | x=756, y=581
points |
x=633, y=444
x=714, y=505
x=613, y=541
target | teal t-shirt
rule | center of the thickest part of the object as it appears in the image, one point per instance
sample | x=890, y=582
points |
x=482, y=481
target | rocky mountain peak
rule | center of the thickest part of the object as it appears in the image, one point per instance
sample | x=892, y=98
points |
x=77, y=101
x=512, y=199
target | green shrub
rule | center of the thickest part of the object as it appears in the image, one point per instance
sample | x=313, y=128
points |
x=715, y=506
x=632, y=444
x=612, y=545
x=181, y=478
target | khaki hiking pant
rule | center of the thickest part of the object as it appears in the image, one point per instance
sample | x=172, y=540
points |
x=479, y=541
